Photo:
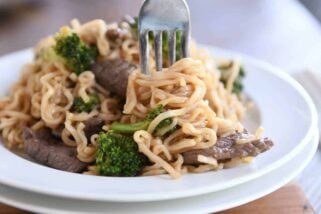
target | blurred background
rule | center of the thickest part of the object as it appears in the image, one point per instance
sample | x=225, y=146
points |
x=283, y=32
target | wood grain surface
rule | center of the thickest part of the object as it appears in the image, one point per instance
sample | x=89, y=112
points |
x=288, y=200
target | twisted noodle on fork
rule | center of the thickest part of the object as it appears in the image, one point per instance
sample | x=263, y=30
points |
x=187, y=91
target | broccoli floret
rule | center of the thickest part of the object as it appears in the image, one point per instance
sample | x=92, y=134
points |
x=165, y=47
x=164, y=123
x=118, y=155
x=134, y=26
x=237, y=85
x=153, y=113
x=130, y=128
x=77, y=55
x=48, y=55
x=80, y=105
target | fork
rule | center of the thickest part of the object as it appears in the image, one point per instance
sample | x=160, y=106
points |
x=159, y=16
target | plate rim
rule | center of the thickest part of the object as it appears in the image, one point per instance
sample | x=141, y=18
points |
x=201, y=190
x=228, y=205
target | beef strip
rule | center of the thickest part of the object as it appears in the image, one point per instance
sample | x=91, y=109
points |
x=113, y=75
x=93, y=126
x=46, y=149
x=116, y=34
x=227, y=148
x=58, y=131
x=113, y=34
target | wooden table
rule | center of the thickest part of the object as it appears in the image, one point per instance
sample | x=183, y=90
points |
x=279, y=31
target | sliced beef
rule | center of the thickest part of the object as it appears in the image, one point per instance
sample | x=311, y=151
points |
x=58, y=131
x=116, y=34
x=93, y=126
x=227, y=148
x=43, y=147
x=113, y=75
x=113, y=34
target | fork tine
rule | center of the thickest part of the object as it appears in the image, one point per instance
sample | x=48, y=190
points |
x=185, y=41
x=158, y=50
x=172, y=46
x=158, y=16
x=143, y=46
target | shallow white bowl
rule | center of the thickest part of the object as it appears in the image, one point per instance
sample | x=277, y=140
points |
x=287, y=114
x=207, y=203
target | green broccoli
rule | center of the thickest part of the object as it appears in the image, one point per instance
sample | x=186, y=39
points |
x=48, y=55
x=237, y=85
x=80, y=105
x=118, y=155
x=77, y=55
x=165, y=44
x=178, y=46
x=134, y=25
x=128, y=128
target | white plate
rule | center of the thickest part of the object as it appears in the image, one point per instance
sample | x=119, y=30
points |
x=207, y=203
x=287, y=114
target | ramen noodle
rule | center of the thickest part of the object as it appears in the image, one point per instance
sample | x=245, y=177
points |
x=201, y=106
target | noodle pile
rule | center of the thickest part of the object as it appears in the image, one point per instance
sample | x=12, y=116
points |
x=190, y=90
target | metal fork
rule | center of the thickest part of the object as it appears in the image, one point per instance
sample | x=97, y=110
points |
x=159, y=16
